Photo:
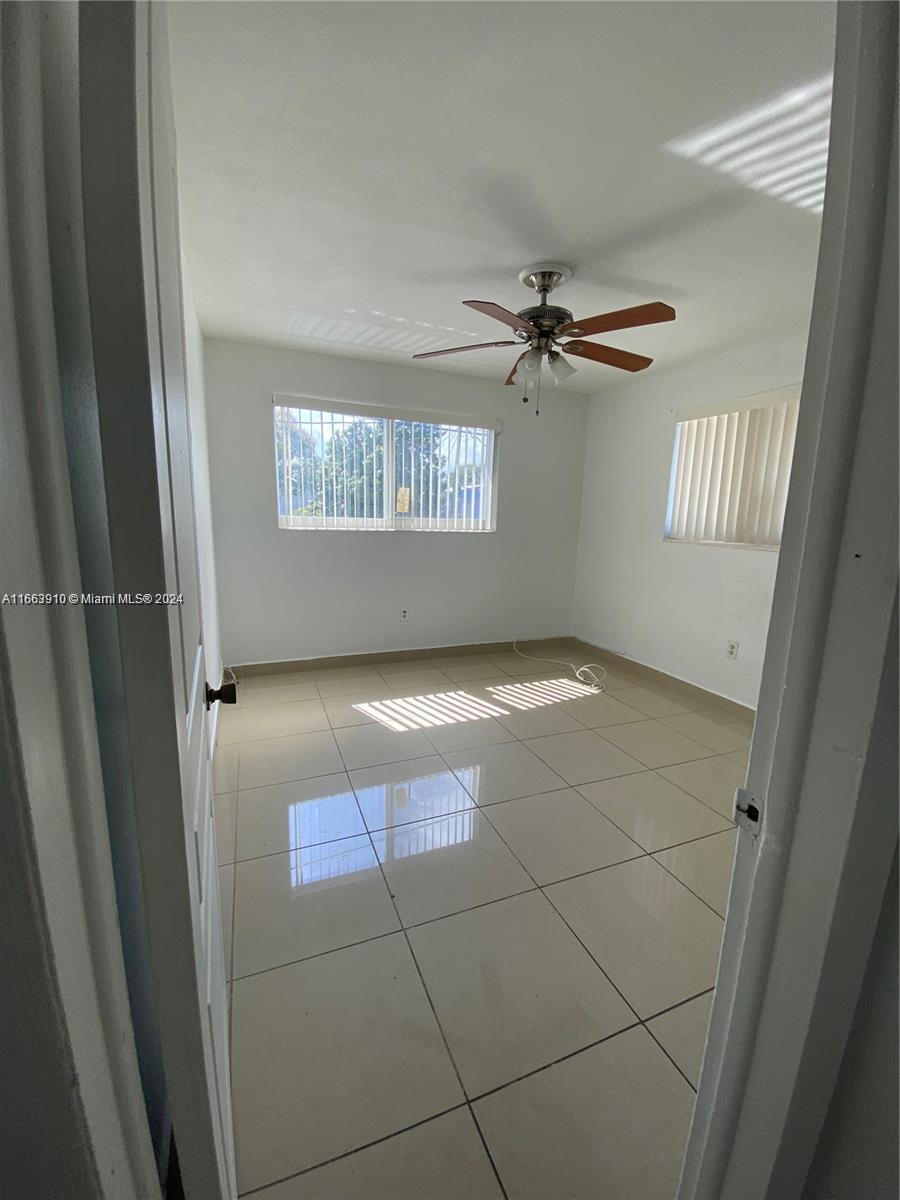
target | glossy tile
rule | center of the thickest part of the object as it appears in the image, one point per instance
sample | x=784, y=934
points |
x=463, y=672
x=650, y=701
x=426, y=679
x=349, y=685
x=657, y=942
x=434, y=868
x=718, y=736
x=485, y=685
x=653, y=811
x=512, y=664
x=225, y=768
x=353, y=671
x=464, y=735
x=283, y=693
x=597, y=711
x=607, y=1124
x=538, y=722
x=704, y=866
x=442, y=1159
x=226, y=911
x=293, y=905
x=228, y=725
x=331, y=1054
x=513, y=989
x=451, y=659
x=224, y=818
x=559, y=834
x=723, y=712
x=655, y=744
x=682, y=1032
x=296, y=815
x=371, y=745
x=398, y=793
x=493, y=773
x=617, y=678
x=406, y=666
x=583, y=757
x=274, y=681
x=280, y=760
x=711, y=780
x=279, y=720
x=344, y=710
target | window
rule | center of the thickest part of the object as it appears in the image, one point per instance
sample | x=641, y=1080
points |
x=345, y=466
x=730, y=476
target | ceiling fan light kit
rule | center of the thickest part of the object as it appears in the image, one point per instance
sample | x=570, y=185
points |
x=542, y=326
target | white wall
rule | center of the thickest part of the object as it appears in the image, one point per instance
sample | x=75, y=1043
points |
x=209, y=608
x=289, y=594
x=672, y=606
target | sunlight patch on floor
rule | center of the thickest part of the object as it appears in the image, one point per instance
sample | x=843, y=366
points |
x=451, y=708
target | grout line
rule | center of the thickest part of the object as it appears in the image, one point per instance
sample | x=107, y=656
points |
x=473, y=907
x=355, y=1150
x=431, y=1005
x=689, y=888
x=501, y=1087
x=487, y=1151
x=562, y=918
x=468, y=1101
x=680, y=1004
x=295, y=962
x=670, y=1058
x=661, y=849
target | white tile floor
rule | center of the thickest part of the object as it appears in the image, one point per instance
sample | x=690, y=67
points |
x=473, y=959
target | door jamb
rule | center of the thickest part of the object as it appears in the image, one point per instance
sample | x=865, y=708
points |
x=807, y=888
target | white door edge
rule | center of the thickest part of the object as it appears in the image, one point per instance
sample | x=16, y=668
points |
x=806, y=894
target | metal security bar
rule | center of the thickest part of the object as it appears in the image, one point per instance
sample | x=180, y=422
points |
x=340, y=470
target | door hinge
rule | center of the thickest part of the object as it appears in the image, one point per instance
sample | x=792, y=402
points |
x=748, y=810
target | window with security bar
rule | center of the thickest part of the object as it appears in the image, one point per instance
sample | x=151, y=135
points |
x=730, y=474
x=361, y=467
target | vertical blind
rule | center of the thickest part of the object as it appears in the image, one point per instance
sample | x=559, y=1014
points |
x=340, y=469
x=730, y=475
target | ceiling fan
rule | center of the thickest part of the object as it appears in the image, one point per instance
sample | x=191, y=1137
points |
x=541, y=327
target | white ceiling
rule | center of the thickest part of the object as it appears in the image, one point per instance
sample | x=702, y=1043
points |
x=350, y=172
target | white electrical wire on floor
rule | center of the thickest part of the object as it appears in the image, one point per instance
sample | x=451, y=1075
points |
x=586, y=673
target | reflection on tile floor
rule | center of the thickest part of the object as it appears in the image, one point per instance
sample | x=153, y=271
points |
x=472, y=950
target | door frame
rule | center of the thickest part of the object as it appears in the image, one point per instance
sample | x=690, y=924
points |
x=779, y=1019
x=78, y=1110
x=808, y=885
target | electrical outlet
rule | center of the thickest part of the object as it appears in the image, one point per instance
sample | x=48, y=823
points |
x=404, y=614
x=731, y=649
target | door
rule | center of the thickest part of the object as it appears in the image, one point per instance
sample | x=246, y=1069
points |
x=134, y=284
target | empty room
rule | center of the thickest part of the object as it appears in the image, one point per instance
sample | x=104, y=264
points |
x=501, y=882
x=461, y=407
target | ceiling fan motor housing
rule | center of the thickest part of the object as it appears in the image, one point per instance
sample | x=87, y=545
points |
x=547, y=317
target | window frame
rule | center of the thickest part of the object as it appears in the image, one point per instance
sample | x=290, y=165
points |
x=390, y=523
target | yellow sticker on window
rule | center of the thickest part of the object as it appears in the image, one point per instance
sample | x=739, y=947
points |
x=402, y=500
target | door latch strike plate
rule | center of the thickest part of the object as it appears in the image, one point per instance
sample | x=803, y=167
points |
x=748, y=810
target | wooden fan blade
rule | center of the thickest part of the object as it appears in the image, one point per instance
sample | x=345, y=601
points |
x=509, y=377
x=625, y=318
x=459, y=349
x=501, y=314
x=609, y=355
